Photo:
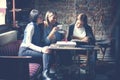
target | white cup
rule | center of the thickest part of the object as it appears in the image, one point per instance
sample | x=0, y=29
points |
x=60, y=29
x=60, y=26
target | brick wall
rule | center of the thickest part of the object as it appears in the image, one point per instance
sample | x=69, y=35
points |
x=99, y=13
x=65, y=9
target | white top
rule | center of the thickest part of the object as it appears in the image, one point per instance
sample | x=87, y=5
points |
x=79, y=32
x=27, y=41
x=28, y=33
x=3, y=4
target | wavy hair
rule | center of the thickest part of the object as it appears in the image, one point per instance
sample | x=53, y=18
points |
x=47, y=14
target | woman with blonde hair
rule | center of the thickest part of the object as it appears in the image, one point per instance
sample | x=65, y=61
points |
x=51, y=29
x=52, y=33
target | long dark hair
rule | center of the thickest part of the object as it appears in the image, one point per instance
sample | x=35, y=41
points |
x=34, y=14
x=83, y=18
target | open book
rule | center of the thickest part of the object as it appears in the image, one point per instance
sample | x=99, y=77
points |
x=66, y=44
x=76, y=40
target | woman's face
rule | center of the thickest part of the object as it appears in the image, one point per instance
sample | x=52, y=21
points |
x=52, y=18
x=40, y=19
x=79, y=23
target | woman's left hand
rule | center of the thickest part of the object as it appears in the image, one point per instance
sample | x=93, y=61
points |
x=46, y=50
x=85, y=39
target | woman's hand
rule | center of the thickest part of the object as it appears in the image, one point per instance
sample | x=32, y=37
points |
x=85, y=39
x=51, y=35
x=54, y=30
x=75, y=37
x=46, y=50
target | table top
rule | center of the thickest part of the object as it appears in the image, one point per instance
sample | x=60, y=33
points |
x=84, y=47
x=100, y=42
x=103, y=43
x=16, y=57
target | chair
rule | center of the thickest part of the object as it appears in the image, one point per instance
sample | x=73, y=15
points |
x=11, y=49
x=14, y=67
x=103, y=45
x=34, y=70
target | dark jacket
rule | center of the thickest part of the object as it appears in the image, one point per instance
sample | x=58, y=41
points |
x=89, y=33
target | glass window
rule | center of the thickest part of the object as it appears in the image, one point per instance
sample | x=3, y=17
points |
x=2, y=11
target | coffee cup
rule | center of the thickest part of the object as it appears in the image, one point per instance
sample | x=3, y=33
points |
x=60, y=27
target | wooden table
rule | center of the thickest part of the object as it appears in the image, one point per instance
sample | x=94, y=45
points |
x=91, y=50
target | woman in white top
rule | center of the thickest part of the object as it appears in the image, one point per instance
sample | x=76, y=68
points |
x=81, y=31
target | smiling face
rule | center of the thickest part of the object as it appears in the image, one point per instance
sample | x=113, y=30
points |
x=52, y=18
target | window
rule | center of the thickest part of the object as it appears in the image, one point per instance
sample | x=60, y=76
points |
x=2, y=11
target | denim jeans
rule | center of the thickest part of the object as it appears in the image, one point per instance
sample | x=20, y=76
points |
x=46, y=58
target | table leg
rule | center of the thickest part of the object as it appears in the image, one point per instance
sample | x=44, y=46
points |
x=91, y=61
x=103, y=50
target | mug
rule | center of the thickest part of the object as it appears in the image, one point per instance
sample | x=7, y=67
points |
x=60, y=27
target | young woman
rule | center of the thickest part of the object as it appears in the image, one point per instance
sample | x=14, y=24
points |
x=51, y=30
x=33, y=42
x=81, y=31
x=52, y=35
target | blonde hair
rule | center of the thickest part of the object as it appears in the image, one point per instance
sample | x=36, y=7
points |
x=46, y=16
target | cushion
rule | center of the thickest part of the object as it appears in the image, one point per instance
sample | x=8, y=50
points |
x=10, y=49
x=8, y=37
x=33, y=69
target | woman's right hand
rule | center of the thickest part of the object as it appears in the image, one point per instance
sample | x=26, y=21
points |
x=54, y=29
x=46, y=50
x=51, y=35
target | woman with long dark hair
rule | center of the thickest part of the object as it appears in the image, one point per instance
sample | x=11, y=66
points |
x=82, y=34
x=81, y=30
x=33, y=41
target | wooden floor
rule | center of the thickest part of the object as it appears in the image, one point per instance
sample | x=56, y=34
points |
x=106, y=68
